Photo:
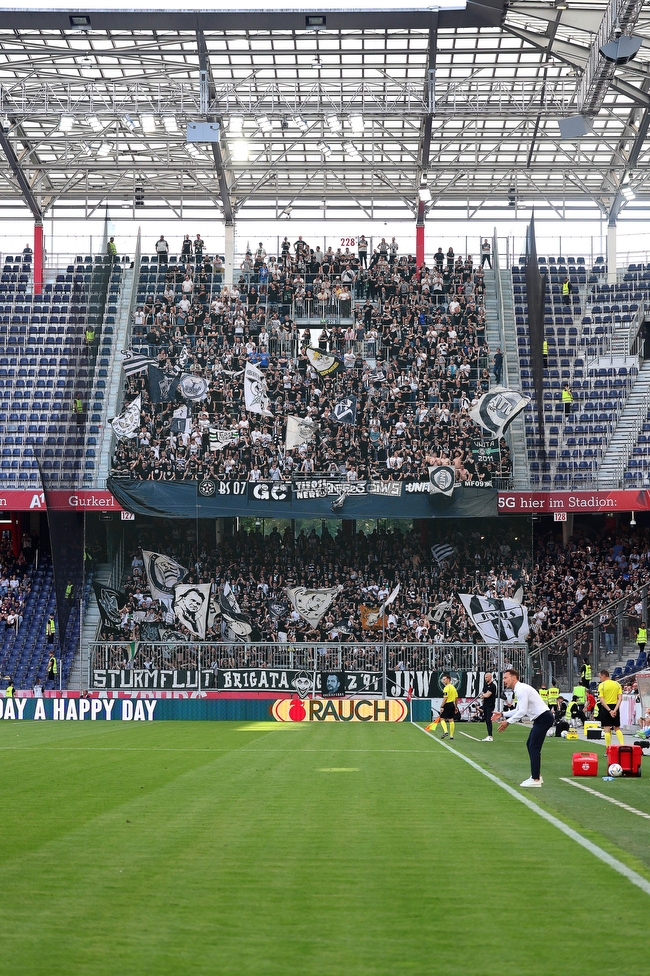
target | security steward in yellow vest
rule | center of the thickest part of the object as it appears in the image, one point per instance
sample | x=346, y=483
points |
x=89, y=335
x=52, y=669
x=642, y=637
x=545, y=353
x=553, y=695
x=50, y=629
x=585, y=674
x=10, y=691
x=566, y=291
x=543, y=694
x=567, y=399
x=580, y=692
x=69, y=591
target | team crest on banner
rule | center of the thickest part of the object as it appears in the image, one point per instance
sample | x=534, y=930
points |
x=504, y=621
x=218, y=439
x=193, y=387
x=345, y=410
x=191, y=606
x=128, y=423
x=312, y=605
x=443, y=479
x=255, y=394
x=163, y=574
x=162, y=386
x=303, y=683
x=110, y=603
x=497, y=409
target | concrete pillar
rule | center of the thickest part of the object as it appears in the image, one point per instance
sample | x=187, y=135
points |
x=567, y=529
x=229, y=256
x=611, y=253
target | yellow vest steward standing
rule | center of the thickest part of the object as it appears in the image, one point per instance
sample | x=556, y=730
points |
x=567, y=395
x=553, y=695
x=642, y=635
x=566, y=288
x=543, y=694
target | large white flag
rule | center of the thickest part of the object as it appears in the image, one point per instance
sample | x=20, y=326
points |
x=300, y=430
x=255, y=395
x=191, y=606
x=127, y=424
x=312, y=605
x=163, y=574
x=497, y=409
x=504, y=620
x=221, y=438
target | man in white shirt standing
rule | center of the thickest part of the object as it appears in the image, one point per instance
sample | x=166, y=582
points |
x=529, y=705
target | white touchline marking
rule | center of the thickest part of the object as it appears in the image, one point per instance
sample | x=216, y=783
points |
x=633, y=876
x=603, y=796
x=473, y=737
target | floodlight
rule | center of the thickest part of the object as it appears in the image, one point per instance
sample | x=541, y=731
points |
x=357, y=123
x=316, y=62
x=128, y=122
x=265, y=124
x=94, y=123
x=66, y=122
x=86, y=149
x=104, y=149
x=148, y=123
x=170, y=123
x=239, y=151
x=191, y=149
x=351, y=150
x=235, y=125
x=627, y=192
x=324, y=148
x=334, y=123
x=300, y=123
x=425, y=194
x=79, y=20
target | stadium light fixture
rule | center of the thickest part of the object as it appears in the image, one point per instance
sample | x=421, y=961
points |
x=627, y=192
x=334, y=123
x=351, y=150
x=324, y=149
x=239, y=151
x=86, y=149
x=170, y=123
x=94, y=123
x=425, y=194
x=104, y=149
x=191, y=149
x=148, y=123
x=357, y=123
x=66, y=123
x=300, y=123
x=265, y=124
x=235, y=125
x=316, y=62
x=128, y=123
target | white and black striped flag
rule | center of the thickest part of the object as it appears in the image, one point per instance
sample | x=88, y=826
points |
x=441, y=553
x=496, y=410
x=135, y=362
x=504, y=621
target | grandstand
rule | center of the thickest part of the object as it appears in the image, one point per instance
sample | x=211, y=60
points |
x=324, y=373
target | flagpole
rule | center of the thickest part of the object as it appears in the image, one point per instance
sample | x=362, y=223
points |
x=383, y=651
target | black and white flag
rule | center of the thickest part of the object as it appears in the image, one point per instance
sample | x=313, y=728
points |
x=504, y=621
x=191, y=605
x=497, y=409
x=442, y=552
x=193, y=387
x=181, y=423
x=325, y=363
x=312, y=605
x=181, y=361
x=300, y=430
x=278, y=609
x=255, y=395
x=443, y=479
x=437, y=614
x=110, y=603
x=162, y=386
x=127, y=424
x=238, y=625
x=221, y=438
x=345, y=411
x=163, y=574
x=135, y=362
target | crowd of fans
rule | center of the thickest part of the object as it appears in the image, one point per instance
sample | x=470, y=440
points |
x=14, y=583
x=561, y=586
x=412, y=340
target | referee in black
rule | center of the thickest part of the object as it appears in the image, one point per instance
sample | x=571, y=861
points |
x=488, y=702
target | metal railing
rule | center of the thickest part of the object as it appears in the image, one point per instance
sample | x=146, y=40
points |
x=371, y=656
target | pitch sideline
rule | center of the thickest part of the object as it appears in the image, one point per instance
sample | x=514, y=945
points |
x=602, y=855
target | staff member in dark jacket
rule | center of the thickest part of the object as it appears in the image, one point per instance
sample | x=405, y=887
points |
x=488, y=700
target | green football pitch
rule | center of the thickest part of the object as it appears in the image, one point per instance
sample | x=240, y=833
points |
x=238, y=849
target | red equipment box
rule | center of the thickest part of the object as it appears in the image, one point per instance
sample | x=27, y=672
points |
x=585, y=764
x=628, y=757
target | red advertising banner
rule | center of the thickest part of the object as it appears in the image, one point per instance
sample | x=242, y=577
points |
x=86, y=499
x=573, y=502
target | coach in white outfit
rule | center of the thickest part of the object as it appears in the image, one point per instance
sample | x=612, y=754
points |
x=530, y=706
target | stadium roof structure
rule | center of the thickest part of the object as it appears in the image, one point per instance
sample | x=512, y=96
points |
x=357, y=112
